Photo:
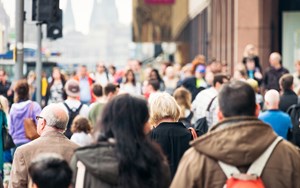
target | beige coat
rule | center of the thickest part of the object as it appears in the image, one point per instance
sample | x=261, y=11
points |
x=50, y=142
x=238, y=141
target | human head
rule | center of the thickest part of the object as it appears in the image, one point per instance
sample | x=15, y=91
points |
x=200, y=71
x=129, y=76
x=152, y=85
x=286, y=82
x=154, y=74
x=272, y=99
x=163, y=106
x=219, y=80
x=112, y=70
x=53, y=116
x=4, y=105
x=97, y=90
x=21, y=91
x=215, y=66
x=56, y=74
x=198, y=60
x=2, y=75
x=81, y=124
x=115, y=121
x=237, y=98
x=72, y=88
x=50, y=170
x=82, y=71
x=183, y=98
x=170, y=72
x=297, y=64
x=275, y=59
x=101, y=67
x=249, y=50
x=110, y=90
x=253, y=83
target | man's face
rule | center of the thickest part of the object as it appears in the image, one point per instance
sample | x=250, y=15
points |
x=2, y=76
x=82, y=71
x=100, y=68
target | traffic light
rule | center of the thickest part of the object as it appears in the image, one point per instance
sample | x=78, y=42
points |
x=54, y=28
x=45, y=10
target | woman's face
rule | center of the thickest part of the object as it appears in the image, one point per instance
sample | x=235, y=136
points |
x=130, y=76
x=250, y=65
x=56, y=74
x=153, y=75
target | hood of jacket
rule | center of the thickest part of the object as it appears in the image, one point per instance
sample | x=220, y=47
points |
x=21, y=108
x=101, y=161
x=237, y=141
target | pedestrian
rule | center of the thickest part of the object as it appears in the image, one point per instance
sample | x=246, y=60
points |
x=123, y=156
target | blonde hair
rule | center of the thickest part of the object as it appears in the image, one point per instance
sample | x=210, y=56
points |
x=4, y=105
x=247, y=49
x=163, y=105
x=183, y=98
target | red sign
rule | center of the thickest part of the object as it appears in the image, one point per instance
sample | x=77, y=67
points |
x=159, y=1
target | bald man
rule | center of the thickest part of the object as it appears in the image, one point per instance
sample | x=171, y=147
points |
x=274, y=72
x=51, y=124
x=278, y=120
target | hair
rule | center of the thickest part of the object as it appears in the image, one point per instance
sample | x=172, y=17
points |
x=4, y=104
x=55, y=116
x=157, y=75
x=286, y=81
x=183, y=98
x=130, y=71
x=198, y=60
x=154, y=83
x=63, y=81
x=3, y=70
x=163, y=105
x=140, y=161
x=110, y=88
x=48, y=171
x=219, y=78
x=237, y=98
x=246, y=50
x=81, y=124
x=97, y=89
x=21, y=91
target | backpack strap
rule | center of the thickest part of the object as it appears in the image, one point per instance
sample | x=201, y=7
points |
x=210, y=103
x=70, y=110
x=256, y=167
x=259, y=164
x=80, y=175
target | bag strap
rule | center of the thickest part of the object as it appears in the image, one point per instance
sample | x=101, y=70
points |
x=30, y=109
x=70, y=110
x=210, y=103
x=193, y=132
x=259, y=164
x=80, y=175
x=256, y=167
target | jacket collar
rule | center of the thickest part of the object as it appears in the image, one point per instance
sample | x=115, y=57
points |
x=237, y=141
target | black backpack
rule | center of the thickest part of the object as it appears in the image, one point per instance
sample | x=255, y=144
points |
x=201, y=125
x=72, y=114
x=294, y=113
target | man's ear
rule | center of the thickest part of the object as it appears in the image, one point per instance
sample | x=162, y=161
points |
x=257, y=110
x=220, y=114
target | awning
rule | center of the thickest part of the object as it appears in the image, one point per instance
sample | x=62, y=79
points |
x=196, y=7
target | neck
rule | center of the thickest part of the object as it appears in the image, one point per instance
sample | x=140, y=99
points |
x=50, y=129
x=166, y=120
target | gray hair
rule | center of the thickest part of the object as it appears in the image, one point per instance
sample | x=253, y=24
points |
x=55, y=116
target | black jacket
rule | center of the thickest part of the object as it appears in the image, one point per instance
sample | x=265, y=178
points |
x=272, y=76
x=174, y=138
x=288, y=98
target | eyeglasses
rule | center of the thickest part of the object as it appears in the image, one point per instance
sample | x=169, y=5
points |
x=38, y=117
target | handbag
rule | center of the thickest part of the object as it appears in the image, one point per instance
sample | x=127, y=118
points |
x=30, y=126
x=7, y=140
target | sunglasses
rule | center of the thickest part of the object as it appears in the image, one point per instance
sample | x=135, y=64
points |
x=38, y=117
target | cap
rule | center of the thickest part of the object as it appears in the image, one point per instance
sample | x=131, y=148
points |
x=72, y=88
x=200, y=69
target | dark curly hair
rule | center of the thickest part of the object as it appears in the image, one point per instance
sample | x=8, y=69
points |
x=21, y=91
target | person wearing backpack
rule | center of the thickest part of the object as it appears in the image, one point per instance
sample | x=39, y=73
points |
x=72, y=104
x=237, y=141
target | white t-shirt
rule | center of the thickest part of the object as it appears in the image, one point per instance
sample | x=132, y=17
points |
x=84, y=111
x=82, y=139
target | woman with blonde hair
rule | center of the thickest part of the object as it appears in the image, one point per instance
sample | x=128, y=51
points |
x=250, y=52
x=171, y=135
x=183, y=97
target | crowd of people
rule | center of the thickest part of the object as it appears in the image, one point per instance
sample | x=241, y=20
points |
x=138, y=126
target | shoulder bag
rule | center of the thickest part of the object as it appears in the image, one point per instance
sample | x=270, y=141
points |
x=30, y=126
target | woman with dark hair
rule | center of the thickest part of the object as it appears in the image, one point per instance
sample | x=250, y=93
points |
x=21, y=109
x=130, y=85
x=154, y=75
x=123, y=155
x=55, y=90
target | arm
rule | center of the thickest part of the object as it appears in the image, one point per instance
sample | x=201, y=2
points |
x=19, y=172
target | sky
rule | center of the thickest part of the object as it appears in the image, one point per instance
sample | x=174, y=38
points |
x=82, y=11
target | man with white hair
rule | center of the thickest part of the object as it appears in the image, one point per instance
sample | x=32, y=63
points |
x=278, y=120
x=274, y=72
x=51, y=125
